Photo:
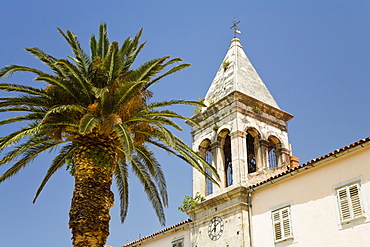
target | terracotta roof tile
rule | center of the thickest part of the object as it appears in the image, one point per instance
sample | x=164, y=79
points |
x=157, y=233
x=311, y=162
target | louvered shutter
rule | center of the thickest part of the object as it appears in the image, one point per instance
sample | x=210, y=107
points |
x=277, y=226
x=281, y=224
x=344, y=206
x=286, y=222
x=354, y=194
x=349, y=202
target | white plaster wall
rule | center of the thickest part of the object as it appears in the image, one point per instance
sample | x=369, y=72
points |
x=314, y=210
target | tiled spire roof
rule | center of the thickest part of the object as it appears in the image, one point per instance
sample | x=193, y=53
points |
x=237, y=73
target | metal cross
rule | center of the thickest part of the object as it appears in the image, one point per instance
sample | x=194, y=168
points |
x=236, y=30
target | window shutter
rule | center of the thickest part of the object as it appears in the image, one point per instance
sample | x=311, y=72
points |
x=354, y=194
x=286, y=222
x=281, y=224
x=277, y=226
x=350, y=202
x=344, y=204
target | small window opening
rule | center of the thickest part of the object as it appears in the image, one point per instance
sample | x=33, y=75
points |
x=272, y=154
x=178, y=243
x=272, y=157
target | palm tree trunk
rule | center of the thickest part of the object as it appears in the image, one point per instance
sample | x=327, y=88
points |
x=92, y=196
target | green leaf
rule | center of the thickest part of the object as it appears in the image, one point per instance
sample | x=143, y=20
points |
x=88, y=122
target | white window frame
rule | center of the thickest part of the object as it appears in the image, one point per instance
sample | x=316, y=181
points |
x=178, y=242
x=350, y=202
x=282, y=224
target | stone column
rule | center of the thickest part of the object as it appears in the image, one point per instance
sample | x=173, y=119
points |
x=199, y=182
x=282, y=157
x=238, y=153
x=262, y=154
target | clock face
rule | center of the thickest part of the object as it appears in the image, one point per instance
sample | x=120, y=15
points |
x=215, y=228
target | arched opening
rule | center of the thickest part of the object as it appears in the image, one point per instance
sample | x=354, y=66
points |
x=228, y=166
x=252, y=133
x=272, y=151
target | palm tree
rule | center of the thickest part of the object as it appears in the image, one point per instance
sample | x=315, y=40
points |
x=95, y=111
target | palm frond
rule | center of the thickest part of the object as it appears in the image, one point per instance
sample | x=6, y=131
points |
x=10, y=87
x=127, y=91
x=154, y=105
x=156, y=120
x=164, y=113
x=14, y=137
x=150, y=188
x=81, y=59
x=186, y=151
x=93, y=47
x=148, y=159
x=103, y=41
x=129, y=51
x=126, y=138
x=88, y=122
x=24, y=100
x=111, y=62
x=147, y=70
x=28, y=156
x=62, y=109
x=58, y=162
x=23, y=108
x=73, y=71
x=121, y=178
x=10, y=69
x=30, y=130
x=47, y=59
x=27, y=117
x=171, y=71
x=18, y=150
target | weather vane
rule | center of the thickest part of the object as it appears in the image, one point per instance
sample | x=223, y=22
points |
x=236, y=30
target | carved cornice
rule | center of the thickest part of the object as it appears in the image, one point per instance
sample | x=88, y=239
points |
x=247, y=106
x=240, y=192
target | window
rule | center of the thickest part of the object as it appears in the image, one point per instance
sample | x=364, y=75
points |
x=178, y=242
x=272, y=157
x=282, y=224
x=349, y=202
x=273, y=145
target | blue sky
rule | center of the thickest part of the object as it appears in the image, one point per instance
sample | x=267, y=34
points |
x=314, y=56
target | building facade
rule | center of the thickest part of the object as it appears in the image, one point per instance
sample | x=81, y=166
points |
x=264, y=197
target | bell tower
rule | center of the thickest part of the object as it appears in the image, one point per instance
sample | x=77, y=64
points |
x=242, y=132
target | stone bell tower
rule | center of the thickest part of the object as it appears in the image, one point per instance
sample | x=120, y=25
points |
x=242, y=132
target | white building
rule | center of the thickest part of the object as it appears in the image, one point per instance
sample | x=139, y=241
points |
x=265, y=198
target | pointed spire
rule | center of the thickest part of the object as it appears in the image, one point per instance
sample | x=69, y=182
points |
x=237, y=73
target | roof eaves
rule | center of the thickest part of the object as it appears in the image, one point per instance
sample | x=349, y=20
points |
x=157, y=233
x=311, y=163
